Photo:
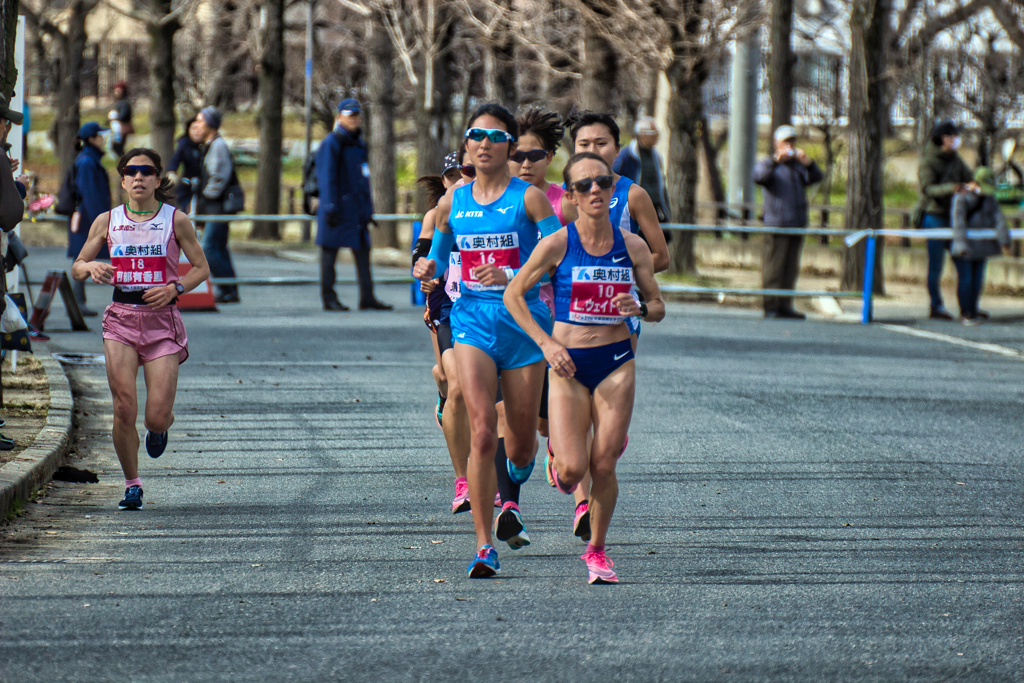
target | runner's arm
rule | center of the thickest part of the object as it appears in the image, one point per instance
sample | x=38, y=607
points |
x=643, y=273
x=422, y=246
x=85, y=266
x=538, y=210
x=569, y=210
x=549, y=252
x=155, y=297
x=642, y=208
x=427, y=266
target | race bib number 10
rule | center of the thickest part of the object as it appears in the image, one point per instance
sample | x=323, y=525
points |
x=593, y=288
x=139, y=266
x=498, y=250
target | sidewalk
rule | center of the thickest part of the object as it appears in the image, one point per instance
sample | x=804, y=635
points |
x=38, y=409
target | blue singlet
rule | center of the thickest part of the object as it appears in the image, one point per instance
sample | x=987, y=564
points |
x=618, y=207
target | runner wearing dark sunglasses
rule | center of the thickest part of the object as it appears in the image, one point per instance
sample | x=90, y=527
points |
x=495, y=222
x=589, y=352
x=142, y=326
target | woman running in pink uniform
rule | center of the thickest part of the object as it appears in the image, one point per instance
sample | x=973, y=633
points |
x=142, y=326
x=593, y=268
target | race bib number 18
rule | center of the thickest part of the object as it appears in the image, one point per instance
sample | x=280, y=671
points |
x=139, y=266
x=499, y=250
x=593, y=289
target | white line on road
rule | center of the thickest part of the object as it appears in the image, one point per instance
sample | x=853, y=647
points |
x=314, y=364
x=950, y=339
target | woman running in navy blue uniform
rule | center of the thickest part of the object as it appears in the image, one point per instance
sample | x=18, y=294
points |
x=594, y=268
x=495, y=222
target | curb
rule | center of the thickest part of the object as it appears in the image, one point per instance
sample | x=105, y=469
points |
x=34, y=466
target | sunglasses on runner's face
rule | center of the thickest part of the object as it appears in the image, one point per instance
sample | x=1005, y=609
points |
x=468, y=171
x=583, y=185
x=132, y=171
x=493, y=134
x=534, y=155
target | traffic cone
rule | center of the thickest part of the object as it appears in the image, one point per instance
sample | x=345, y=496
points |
x=200, y=298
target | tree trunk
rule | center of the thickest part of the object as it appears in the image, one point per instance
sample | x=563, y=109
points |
x=8, y=35
x=271, y=75
x=685, y=111
x=67, y=119
x=600, y=71
x=221, y=90
x=869, y=25
x=499, y=64
x=380, y=84
x=161, y=79
x=781, y=62
x=711, y=151
x=433, y=104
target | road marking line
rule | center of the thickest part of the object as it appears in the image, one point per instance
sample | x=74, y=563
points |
x=958, y=341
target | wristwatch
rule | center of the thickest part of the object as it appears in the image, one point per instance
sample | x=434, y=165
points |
x=178, y=286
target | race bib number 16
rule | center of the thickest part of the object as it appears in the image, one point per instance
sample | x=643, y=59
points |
x=499, y=250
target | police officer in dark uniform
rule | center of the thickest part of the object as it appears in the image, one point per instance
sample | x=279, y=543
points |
x=346, y=207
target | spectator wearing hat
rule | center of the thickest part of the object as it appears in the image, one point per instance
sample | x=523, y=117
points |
x=785, y=177
x=92, y=187
x=218, y=171
x=640, y=162
x=976, y=208
x=120, y=119
x=346, y=207
x=941, y=174
x=12, y=209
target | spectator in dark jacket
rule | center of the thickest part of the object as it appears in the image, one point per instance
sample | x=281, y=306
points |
x=941, y=174
x=92, y=186
x=346, y=207
x=976, y=208
x=785, y=178
x=188, y=153
x=640, y=162
x=120, y=119
x=12, y=210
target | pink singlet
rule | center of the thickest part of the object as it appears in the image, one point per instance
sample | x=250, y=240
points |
x=554, y=195
x=145, y=254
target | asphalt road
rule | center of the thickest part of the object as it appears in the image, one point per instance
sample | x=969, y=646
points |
x=799, y=502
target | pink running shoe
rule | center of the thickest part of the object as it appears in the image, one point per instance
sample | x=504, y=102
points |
x=461, y=502
x=549, y=468
x=581, y=524
x=600, y=568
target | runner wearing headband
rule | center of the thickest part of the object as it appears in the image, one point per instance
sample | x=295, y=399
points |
x=594, y=267
x=495, y=222
x=142, y=326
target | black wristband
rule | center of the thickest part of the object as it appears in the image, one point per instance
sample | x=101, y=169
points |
x=643, y=309
x=420, y=249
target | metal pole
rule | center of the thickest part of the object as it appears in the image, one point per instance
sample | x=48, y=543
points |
x=743, y=120
x=306, y=225
x=869, y=280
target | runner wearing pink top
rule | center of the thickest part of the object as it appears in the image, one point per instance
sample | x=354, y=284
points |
x=142, y=326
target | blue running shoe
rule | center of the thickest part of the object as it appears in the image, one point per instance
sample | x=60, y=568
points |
x=133, y=499
x=520, y=475
x=439, y=410
x=485, y=564
x=156, y=443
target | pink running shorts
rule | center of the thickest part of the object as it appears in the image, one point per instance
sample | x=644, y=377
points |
x=152, y=332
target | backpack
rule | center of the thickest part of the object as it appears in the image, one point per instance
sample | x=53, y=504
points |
x=310, y=185
x=67, y=196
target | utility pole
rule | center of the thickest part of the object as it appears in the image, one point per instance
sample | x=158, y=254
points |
x=746, y=62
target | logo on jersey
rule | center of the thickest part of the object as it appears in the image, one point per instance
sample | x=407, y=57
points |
x=460, y=335
x=613, y=203
x=469, y=214
x=616, y=260
x=620, y=356
x=502, y=211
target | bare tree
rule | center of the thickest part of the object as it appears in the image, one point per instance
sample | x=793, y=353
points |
x=380, y=85
x=781, y=61
x=162, y=19
x=8, y=33
x=63, y=21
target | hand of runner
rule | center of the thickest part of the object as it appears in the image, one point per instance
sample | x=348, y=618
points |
x=157, y=297
x=429, y=286
x=626, y=304
x=559, y=360
x=101, y=273
x=489, y=274
x=424, y=269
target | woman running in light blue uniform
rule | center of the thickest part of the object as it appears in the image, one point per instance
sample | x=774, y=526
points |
x=594, y=268
x=495, y=222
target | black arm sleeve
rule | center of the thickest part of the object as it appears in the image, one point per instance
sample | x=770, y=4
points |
x=420, y=249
